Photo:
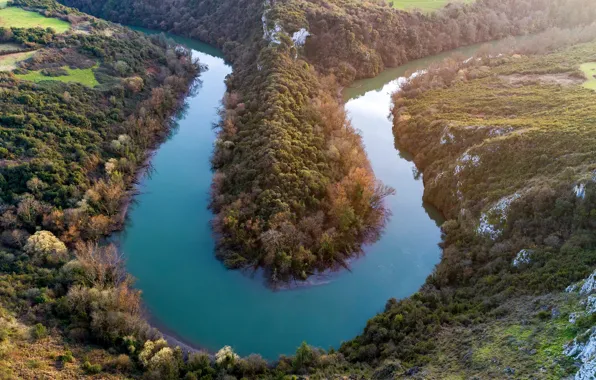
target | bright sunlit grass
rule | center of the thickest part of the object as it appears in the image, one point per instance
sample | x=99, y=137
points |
x=9, y=62
x=82, y=76
x=589, y=70
x=425, y=5
x=20, y=18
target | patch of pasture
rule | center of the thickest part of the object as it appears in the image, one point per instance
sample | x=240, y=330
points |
x=8, y=62
x=8, y=47
x=589, y=69
x=83, y=76
x=424, y=5
x=13, y=17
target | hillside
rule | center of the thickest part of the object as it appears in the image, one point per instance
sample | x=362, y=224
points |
x=82, y=103
x=512, y=138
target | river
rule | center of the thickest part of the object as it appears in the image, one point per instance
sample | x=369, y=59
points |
x=188, y=292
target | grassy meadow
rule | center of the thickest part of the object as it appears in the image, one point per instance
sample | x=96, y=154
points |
x=83, y=76
x=9, y=62
x=425, y=5
x=20, y=18
x=589, y=69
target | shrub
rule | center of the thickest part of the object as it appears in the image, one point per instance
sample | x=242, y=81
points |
x=198, y=362
x=39, y=331
x=112, y=313
x=122, y=363
x=543, y=315
x=305, y=358
x=251, y=366
x=66, y=357
x=91, y=369
x=3, y=334
x=54, y=72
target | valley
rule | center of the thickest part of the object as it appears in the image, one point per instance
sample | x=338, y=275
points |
x=324, y=207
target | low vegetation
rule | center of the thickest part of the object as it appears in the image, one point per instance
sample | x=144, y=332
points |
x=589, y=70
x=423, y=5
x=9, y=48
x=8, y=62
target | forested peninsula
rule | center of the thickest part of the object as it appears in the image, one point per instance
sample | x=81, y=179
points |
x=505, y=141
x=293, y=191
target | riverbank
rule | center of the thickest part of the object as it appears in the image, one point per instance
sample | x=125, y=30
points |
x=484, y=129
x=70, y=150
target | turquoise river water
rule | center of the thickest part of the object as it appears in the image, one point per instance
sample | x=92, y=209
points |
x=188, y=292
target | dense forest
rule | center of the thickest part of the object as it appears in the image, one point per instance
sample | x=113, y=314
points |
x=293, y=191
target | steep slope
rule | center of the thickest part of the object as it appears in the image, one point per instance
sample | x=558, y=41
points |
x=506, y=146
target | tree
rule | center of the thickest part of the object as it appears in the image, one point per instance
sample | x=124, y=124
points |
x=44, y=245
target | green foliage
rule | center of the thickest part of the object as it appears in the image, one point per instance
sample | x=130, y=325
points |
x=70, y=153
x=66, y=357
x=160, y=361
x=292, y=189
x=507, y=112
x=305, y=357
x=9, y=62
x=39, y=331
x=91, y=369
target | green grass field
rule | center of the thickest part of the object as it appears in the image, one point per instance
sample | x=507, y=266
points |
x=590, y=70
x=425, y=5
x=82, y=76
x=20, y=18
x=9, y=62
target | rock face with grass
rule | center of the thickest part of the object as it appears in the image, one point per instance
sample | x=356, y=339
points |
x=502, y=159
